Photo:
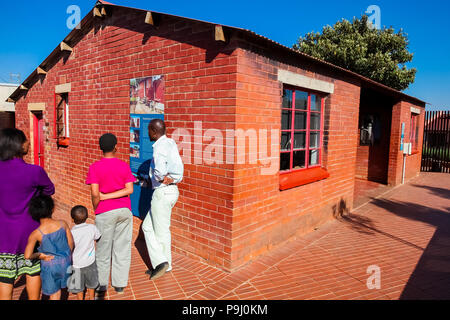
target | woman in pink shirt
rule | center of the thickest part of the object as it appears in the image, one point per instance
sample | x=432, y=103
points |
x=111, y=184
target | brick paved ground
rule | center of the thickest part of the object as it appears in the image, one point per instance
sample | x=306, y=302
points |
x=405, y=232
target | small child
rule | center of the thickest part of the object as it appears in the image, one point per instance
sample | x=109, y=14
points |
x=56, y=244
x=84, y=235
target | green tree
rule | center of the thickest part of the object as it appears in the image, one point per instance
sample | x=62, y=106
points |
x=379, y=55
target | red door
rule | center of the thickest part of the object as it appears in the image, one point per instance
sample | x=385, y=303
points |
x=38, y=143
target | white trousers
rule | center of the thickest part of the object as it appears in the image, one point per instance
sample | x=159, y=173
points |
x=156, y=225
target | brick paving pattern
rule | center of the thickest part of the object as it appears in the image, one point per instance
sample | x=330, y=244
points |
x=405, y=232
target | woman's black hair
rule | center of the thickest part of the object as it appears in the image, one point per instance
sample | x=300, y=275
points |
x=41, y=207
x=11, y=144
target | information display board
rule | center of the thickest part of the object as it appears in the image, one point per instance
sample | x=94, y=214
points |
x=146, y=103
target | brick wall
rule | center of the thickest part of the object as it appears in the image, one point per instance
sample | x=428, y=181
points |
x=401, y=113
x=264, y=216
x=200, y=83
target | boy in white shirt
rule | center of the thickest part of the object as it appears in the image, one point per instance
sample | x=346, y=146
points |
x=83, y=256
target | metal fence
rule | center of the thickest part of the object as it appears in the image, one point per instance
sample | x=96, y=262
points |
x=436, y=142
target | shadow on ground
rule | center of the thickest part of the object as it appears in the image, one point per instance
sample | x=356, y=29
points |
x=431, y=277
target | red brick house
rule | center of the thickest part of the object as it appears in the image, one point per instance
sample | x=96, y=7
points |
x=219, y=79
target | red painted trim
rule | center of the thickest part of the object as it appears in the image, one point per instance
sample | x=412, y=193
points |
x=412, y=133
x=54, y=115
x=60, y=141
x=297, y=170
x=41, y=140
x=36, y=144
x=322, y=125
x=291, y=166
x=301, y=177
x=65, y=117
x=307, y=130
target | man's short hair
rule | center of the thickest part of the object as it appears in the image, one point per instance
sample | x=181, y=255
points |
x=108, y=142
x=158, y=126
x=79, y=214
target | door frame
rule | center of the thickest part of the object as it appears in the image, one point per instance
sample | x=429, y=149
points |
x=38, y=138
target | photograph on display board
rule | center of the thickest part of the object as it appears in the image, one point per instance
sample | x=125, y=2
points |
x=147, y=95
x=135, y=151
x=135, y=135
x=135, y=122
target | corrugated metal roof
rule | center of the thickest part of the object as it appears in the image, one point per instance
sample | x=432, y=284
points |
x=88, y=18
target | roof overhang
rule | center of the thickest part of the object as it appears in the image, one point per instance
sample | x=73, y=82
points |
x=99, y=10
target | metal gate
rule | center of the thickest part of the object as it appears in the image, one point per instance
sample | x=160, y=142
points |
x=436, y=142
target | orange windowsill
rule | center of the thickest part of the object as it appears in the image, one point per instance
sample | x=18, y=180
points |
x=64, y=142
x=299, y=178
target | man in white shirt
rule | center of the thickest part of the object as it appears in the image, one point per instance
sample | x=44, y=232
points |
x=166, y=171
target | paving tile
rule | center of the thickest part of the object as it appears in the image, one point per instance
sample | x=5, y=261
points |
x=405, y=232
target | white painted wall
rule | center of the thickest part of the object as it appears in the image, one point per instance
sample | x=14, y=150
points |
x=5, y=91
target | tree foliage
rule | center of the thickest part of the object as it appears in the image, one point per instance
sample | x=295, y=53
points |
x=379, y=55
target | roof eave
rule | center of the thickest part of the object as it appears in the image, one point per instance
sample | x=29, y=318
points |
x=89, y=18
x=55, y=54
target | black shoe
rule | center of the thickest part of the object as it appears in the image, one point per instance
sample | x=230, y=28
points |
x=119, y=289
x=101, y=288
x=159, y=271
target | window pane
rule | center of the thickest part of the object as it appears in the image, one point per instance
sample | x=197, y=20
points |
x=314, y=157
x=301, y=100
x=316, y=103
x=300, y=120
x=299, y=160
x=314, y=140
x=286, y=121
x=299, y=140
x=285, y=141
x=287, y=98
x=285, y=161
x=315, y=121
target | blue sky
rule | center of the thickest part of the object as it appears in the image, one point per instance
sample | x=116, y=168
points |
x=30, y=30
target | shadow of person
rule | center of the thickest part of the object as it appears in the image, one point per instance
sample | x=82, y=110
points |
x=145, y=189
x=141, y=247
x=22, y=283
x=144, y=206
x=359, y=223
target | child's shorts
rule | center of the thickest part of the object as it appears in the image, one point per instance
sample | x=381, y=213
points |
x=83, y=278
x=54, y=274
